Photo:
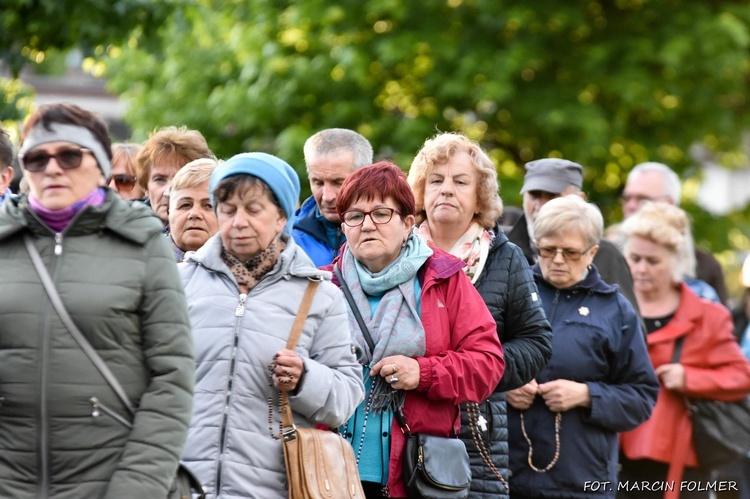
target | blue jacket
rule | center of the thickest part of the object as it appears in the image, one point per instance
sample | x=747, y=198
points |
x=310, y=234
x=597, y=340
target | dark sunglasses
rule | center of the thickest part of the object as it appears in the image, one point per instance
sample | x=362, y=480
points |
x=124, y=182
x=67, y=159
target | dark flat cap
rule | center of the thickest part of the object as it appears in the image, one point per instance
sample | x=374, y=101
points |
x=552, y=175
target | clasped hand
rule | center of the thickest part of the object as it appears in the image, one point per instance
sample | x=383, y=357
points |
x=560, y=395
x=672, y=376
x=400, y=371
x=287, y=370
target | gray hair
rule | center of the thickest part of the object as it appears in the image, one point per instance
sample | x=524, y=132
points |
x=567, y=213
x=671, y=180
x=334, y=140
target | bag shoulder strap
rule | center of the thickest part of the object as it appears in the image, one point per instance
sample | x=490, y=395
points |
x=299, y=321
x=76, y=333
x=678, y=343
x=354, y=308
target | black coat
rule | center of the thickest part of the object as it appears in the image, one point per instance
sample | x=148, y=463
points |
x=507, y=286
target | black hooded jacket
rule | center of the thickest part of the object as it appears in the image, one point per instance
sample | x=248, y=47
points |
x=507, y=286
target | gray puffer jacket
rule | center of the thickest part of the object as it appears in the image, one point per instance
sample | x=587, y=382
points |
x=230, y=446
x=116, y=276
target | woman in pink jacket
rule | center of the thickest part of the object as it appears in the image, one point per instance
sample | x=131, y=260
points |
x=711, y=365
x=435, y=343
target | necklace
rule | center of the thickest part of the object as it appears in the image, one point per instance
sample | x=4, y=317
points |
x=558, y=420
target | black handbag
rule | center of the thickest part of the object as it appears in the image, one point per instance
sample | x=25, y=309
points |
x=434, y=467
x=185, y=485
x=721, y=430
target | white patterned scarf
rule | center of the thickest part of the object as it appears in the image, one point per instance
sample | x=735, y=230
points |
x=472, y=247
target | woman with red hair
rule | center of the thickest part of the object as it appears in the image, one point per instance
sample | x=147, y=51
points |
x=434, y=343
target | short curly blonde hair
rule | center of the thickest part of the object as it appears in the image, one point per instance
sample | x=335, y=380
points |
x=666, y=225
x=439, y=150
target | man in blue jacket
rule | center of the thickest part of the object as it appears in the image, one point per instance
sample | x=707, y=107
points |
x=330, y=156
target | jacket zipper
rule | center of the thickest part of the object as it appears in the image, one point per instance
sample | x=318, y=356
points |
x=98, y=408
x=555, y=301
x=43, y=426
x=58, y=243
x=43, y=423
x=238, y=313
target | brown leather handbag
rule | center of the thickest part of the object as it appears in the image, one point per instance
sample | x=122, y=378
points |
x=319, y=463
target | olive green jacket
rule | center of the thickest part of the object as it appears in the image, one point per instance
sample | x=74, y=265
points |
x=116, y=275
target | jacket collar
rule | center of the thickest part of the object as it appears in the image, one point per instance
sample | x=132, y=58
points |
x=689, y=312
x=591, y=283
x=440, y=265
x=132, y=221
x=499, y=239
x=292, y=261
x=519, y=235
x=305, y=220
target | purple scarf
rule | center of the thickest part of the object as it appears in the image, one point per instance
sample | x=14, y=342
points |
x=57, y=220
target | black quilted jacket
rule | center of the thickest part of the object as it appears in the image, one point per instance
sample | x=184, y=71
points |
x=508, y=288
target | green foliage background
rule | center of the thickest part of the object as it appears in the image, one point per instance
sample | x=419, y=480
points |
x=606, y=83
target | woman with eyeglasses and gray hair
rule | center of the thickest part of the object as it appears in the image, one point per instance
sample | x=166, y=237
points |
x=563, y=425
x=64, y=431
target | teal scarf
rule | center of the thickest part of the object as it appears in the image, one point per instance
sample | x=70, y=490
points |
x=396, y=328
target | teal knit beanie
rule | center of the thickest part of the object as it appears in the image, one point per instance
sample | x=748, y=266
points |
x=276, y=173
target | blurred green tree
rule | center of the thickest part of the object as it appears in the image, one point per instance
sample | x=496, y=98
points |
x=32, y=29
x=608, y=84
x=28, y=28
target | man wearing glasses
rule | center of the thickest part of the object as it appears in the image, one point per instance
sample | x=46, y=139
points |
x=550, y=178
x=657, y=182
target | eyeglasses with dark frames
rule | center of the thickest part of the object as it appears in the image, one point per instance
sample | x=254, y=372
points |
x=626, y=198
x=567, y=254
x=124, y=182
x=67, y=159
x=379, y=216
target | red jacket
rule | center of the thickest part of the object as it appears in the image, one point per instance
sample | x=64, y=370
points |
x=715, y=368
x=463, y=358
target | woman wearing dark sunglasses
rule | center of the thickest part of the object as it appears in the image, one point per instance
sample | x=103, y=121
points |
x=65, y=432
x=123, y=179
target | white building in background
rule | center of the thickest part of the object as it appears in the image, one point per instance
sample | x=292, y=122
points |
x=80, y=88
x=722, y=189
